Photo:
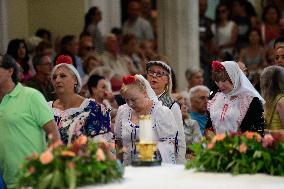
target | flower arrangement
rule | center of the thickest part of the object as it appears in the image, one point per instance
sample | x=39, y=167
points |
x=82, y=163
x=238, y=154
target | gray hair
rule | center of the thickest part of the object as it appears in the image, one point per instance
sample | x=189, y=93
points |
x=192, y=71
x=194, y=90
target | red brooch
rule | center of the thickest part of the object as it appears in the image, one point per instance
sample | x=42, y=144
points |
x=128, y=79
x=64, y=59
x=217, y=66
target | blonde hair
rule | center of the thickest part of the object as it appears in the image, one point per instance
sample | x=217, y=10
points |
x=137, y=83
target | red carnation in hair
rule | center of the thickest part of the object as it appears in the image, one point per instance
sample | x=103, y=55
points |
x=217, y=66
x=63, y=59
x=128, y=79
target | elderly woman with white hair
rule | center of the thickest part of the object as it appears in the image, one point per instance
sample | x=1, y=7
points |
x=194, y=77
x=74, y=114
x=141, y=100
x=160, y=79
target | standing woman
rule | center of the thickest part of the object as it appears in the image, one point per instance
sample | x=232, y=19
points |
x=238, y=106
x=74, y=114
x=159, y=75
x=254, y=54
x=92, y=19
x=225, y=32
x=17, y=48
x=272, y=89
x=141, y=100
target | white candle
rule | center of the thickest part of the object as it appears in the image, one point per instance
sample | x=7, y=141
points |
x=145, y=129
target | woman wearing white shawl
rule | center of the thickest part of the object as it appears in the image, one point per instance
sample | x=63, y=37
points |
x=141, y=100
x=238, y=107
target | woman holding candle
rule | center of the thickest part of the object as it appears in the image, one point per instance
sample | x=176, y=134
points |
x=141, y=100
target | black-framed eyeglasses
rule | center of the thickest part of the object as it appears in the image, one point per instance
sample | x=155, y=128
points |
x=157, y=74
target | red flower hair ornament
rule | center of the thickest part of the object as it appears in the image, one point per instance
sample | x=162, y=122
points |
x=217, y=66
x=63, y=59
x=128, y=79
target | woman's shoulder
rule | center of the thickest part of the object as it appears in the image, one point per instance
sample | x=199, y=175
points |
x=123, y=107
x=280, y=104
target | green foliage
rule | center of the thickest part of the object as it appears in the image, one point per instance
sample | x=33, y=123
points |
x=239, y=154
x=82, y=163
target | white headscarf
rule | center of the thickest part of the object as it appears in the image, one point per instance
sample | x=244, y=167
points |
x=73, y=70
x=227, y=114
x=150, y=92
x=240, y=82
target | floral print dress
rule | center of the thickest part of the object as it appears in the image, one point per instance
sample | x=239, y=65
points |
x=88, y=119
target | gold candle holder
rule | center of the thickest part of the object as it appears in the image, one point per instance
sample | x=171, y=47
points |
x=146, y=151
x=146, y=147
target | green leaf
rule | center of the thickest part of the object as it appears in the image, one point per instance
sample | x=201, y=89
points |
x=57, y=181
x=45, y=181
x=70, y=178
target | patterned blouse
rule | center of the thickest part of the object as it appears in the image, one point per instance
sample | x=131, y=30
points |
x=164, y=131
x=88, y=119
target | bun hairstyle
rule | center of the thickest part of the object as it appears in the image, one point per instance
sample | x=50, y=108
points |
x=131, y=81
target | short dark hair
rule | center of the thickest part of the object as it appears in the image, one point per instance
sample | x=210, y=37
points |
x=37, y=60
x=42, y=32
x=220, y=76
x=93, y=82
x=280, y=39
x=9, y=62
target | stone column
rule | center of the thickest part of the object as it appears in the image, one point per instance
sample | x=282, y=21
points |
x=3, y=26
x=178, y=35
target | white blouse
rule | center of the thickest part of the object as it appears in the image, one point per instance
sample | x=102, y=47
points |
x=164, y=131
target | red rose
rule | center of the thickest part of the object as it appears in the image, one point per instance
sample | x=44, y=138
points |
x=63, y=59
x=128, y=79
x=217, y=66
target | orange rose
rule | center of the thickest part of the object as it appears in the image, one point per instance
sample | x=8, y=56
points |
x=243, y=148
x=249, y=135
x=31, y=170
x=81, y=140
x=100, y=155
x=210, y=146
x=46, y=157
x=218, y=137
x=71, y=165
x=67, y=153
x=56, y=144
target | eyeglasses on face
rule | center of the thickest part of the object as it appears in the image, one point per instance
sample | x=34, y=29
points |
x=156, y=74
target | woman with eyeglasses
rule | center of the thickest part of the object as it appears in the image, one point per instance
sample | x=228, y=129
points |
x=160, y=79
x=141, y=100
x=238, y=107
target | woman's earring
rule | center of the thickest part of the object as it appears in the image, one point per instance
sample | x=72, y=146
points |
x=75, y=87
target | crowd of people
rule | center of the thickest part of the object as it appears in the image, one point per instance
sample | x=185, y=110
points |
x=99, y=85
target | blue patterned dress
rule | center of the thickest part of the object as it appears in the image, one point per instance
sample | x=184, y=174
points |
x=88, y=119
